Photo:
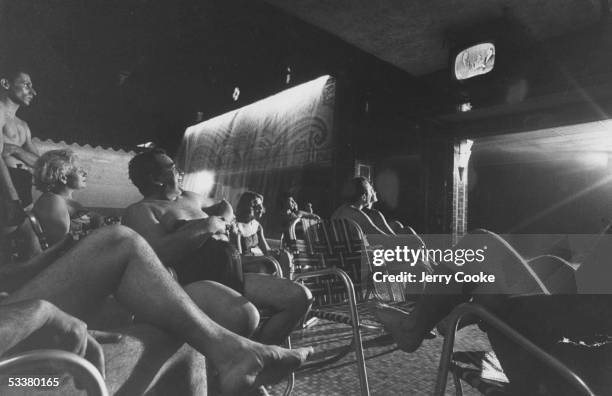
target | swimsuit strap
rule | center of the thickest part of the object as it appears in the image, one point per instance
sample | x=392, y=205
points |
x=38, y=230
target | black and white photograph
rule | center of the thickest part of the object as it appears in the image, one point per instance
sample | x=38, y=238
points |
x=305, y=197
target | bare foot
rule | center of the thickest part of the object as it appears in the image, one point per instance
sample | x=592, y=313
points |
x=402, y=326
x=259, y=364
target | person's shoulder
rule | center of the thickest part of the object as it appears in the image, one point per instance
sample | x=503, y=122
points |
x=49, y=198
x=49, y=203
x=137, y=208
x=342, y=211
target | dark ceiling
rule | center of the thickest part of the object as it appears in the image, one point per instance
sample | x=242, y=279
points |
x=121, y=72
x=414, y=35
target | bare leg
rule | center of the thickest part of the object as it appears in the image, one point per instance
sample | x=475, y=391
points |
x=147, y=360
x=117, y=260
x=410, y=329
x=289, y=300
x=512, y=274
x=225, y=306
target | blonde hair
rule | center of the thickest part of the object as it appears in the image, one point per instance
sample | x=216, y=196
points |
x=51, y=167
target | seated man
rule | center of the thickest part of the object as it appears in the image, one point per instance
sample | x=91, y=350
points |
x=169, y=367
x=360, y=195
x=115, y=260
x=178, y=225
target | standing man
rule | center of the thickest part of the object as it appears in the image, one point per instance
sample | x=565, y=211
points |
x=19, y=153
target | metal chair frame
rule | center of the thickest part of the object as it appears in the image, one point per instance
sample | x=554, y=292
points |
x=490, y=319
x=92, y=379
x=334, y=244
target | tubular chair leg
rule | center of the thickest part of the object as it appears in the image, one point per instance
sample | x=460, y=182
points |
x=85, y=371
x=361, y=367
x=458, y=386
x=291, y=379
x=474, y=309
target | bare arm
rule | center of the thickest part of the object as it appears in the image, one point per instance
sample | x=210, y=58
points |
x=51, y=328
x=19, y=320
x=6, y=185
x=53, y=214
x=20, y=153
x=29, y=146
x=221, y=209
x=263, y=244
x=7, y=190
x=27, y=153
x=308, y=215
x=171, y=247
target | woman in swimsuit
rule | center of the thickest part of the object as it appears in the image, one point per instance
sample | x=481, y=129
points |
x=250, y=238
x=58, y=174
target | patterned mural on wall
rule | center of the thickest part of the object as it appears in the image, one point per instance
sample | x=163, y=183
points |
x=291, y=129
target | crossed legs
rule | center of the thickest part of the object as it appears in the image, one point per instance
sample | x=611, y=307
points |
x=115, y=260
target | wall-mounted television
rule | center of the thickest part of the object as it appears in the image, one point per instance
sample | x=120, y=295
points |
x=473, y=60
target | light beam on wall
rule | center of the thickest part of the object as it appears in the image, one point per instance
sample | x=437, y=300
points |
x=201, y=182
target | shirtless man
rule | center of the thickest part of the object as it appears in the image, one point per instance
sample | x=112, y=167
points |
x=67, y=287
x=52, y=292
x=177, y=223
x=19, y=152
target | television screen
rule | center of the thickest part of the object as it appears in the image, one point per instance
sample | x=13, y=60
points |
x=474, y=61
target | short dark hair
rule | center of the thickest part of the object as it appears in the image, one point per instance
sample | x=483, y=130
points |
x=283, y=197
x=142, y=166
x=244, y=207
x=12, y=72
x=355, y=189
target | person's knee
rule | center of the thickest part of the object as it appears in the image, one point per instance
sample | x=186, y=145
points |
x=248, y=319
x=127, y=240
x=114, y=235
x=300, y=299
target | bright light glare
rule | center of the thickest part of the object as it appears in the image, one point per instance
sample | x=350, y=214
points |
x=594, y=160
x=201, y=182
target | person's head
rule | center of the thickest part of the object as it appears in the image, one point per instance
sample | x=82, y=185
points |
x=286, y=202
x=153, y=171
x=360, y=192
x=17, y=85
x=57, y=170
x=250, y=207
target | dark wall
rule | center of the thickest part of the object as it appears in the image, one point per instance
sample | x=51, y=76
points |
x=120, y=73
x=123, y=72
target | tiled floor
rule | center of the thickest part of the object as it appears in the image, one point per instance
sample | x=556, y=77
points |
x=390, y=372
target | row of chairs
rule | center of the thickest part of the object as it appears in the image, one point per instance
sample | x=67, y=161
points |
x=334, y=259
